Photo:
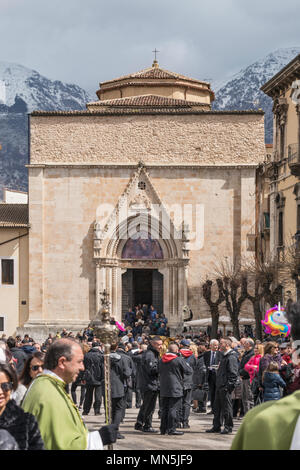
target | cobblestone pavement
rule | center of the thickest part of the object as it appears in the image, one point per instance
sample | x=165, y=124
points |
x=194, y=438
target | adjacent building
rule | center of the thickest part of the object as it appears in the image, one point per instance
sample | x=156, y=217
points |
x=14, y=287
x=281, y=172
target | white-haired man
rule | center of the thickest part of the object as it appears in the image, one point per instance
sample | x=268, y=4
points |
x=212, y=360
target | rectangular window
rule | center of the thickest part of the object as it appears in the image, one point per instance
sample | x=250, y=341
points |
x=280, y=229
x=298, y=217
x=1, y=323
x=7, y=271
x=267, y=219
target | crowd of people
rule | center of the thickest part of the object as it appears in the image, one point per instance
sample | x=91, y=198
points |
x=145, y=319
x=224, y=378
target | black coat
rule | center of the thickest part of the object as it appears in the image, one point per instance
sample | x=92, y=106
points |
x=128, y=359
x=132, y=354
x=119, y=374
x=149, y=369
x=199, y=375
x=22, y=426
x=21, y=357
x=245, y=358
x=228, y=371
x=171, y=376
x=94, y=369
x=137, y=362
x=188, y=378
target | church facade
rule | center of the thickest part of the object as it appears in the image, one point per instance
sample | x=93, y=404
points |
x=140, y=194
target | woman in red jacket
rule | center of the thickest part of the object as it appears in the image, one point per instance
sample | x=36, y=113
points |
x=252, y=365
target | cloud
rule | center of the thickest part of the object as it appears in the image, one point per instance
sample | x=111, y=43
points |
x=90, y=41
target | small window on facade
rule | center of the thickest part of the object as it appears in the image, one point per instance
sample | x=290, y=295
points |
x=1, y=323
x=7, y=271
x=267, y=219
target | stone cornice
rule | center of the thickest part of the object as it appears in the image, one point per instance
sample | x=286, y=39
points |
x=142, y=111
x=109, y=166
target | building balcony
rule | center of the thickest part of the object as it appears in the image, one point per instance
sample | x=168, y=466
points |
x=294, y=159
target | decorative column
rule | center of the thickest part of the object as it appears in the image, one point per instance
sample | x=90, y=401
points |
x=107, y=334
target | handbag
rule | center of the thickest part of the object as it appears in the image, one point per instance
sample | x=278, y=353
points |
x=254, y=385
x=259, y=399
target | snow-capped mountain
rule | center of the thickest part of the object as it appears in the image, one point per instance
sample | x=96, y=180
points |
x=23, y=90
x=37, y=91
x=242, y=91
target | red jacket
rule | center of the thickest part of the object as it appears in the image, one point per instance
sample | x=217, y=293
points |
x=252, y=366
x=287, y=358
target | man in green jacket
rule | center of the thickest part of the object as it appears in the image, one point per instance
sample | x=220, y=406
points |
x=59, y=421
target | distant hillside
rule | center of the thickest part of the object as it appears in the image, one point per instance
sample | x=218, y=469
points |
x=242, y=91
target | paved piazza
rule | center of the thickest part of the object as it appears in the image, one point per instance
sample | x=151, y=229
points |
x=194, y=438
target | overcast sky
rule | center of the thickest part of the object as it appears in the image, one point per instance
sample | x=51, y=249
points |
x=89, y=41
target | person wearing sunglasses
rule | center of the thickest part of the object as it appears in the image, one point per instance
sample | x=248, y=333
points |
x=32, y=368
x=22, y=426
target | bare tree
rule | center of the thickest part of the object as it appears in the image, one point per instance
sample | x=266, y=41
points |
x=234, y=281
x=213, y=305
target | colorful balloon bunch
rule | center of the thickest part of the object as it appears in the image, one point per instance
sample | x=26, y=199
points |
x=275, y=322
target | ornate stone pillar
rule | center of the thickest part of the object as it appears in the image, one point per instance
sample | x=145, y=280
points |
x=298, y=139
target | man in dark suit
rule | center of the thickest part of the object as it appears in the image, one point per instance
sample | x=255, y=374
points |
x=149, y=385
x=226, y=379
x=119, y=374
x=93, y=376
x=212, y=360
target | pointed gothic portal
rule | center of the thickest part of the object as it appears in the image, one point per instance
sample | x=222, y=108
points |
x=142, y=286
x=140, y=237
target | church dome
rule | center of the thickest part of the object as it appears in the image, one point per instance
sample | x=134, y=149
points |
x=155, y=81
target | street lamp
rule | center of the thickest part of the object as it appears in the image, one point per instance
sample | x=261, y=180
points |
x=108, y=334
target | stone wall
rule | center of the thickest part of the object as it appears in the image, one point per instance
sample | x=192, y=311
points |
x=208, y=138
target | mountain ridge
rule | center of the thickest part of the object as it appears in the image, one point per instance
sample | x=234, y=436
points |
x=242, y=90
x=23, y=90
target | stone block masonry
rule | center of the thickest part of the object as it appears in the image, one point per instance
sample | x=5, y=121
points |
x=207, y=138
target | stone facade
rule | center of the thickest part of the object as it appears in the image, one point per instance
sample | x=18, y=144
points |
x=205, y=138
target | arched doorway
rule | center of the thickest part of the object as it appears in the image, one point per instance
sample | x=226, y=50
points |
x=142, y=287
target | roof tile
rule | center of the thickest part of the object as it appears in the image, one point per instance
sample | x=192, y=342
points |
x=13, y=215
x=147, y=100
